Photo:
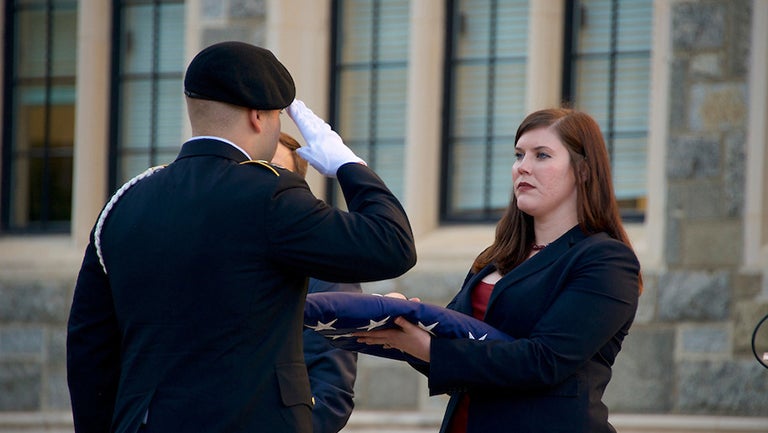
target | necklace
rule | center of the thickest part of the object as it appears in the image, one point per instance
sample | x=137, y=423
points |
x=538, y=247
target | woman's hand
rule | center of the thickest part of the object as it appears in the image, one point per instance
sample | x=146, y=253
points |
x=399, y=295
x=409, y=339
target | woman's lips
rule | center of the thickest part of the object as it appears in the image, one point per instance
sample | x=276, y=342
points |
x=524, y=186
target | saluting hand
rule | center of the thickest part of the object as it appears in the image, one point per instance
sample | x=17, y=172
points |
x=325, y=150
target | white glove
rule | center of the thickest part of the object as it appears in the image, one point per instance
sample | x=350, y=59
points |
x=325, y=151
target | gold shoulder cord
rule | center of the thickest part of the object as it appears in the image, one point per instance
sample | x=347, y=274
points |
x=262, y=163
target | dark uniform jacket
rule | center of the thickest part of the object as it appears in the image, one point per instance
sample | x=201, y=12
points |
x=570, y=307
x=196, y=324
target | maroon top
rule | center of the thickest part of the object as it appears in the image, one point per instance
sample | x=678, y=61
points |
x=481, y=294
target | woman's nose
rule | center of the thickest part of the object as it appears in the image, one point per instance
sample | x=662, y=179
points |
x=521, y=165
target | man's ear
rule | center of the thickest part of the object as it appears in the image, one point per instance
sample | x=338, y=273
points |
x=255, y=117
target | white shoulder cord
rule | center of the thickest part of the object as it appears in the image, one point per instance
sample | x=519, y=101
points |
x=110, y=204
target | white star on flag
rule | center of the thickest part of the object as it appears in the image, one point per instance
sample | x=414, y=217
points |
x=336, y=337
x=428, y=328
x=472, y=337
x=374, y=324
x=323, y=326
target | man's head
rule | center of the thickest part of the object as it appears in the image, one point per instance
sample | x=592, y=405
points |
x=287, y=157
x=236, y=91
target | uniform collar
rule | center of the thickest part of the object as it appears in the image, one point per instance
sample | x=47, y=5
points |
x=211, y=137
x=214, y=146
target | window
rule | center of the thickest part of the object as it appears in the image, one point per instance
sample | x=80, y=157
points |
x=39, y=115
x=607, y=68
x=485, y=98
x=147, y=98
x=370, y=67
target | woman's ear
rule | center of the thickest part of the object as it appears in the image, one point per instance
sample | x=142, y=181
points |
x=583, y=169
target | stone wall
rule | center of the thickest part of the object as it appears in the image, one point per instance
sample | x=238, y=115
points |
x=33, y=316
x=690, y=351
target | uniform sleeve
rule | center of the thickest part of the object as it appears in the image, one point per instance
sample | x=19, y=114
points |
x=332, y=371
x=595, y=306
x=372, y=241
x=93, y=348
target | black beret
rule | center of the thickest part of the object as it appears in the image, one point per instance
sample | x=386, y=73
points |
x=240, y=74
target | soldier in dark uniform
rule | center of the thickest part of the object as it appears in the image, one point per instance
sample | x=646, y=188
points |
x=187, y=312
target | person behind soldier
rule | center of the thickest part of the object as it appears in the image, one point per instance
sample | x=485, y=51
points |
x=332, y=371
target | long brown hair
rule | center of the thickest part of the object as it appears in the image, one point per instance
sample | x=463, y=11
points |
x=597, y=208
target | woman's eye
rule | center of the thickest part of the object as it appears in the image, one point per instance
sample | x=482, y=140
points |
x=542, y=155
x=518, y=156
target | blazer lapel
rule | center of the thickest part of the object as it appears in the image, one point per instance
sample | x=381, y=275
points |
x=542, y=260
x=463, y=300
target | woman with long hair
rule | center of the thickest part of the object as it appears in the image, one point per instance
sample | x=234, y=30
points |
x=560, y=277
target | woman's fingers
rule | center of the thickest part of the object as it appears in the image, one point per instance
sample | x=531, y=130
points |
x=408, y=338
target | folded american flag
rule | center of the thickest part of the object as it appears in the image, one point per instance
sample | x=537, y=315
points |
x=336, y=315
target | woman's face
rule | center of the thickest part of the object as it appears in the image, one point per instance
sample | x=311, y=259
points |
x=543, y=179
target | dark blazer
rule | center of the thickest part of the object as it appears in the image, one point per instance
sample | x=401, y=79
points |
x=196, y=326
x=569, y=307
x=332, y=371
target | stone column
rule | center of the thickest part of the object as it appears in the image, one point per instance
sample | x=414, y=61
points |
x=299, y=33
x=423, y=117
x=545, y=54
x=92, y=117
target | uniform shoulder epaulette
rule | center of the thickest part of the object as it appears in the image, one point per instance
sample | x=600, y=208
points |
x=262, y=163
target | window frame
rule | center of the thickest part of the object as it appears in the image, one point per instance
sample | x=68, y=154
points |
x=568, y=83
x=118, y=77
x=486, y=213
x=375, y=66
x=756, y=194
x=45, y=225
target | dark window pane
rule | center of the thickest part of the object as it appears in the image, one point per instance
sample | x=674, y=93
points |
x=486, y=76
x=148, y=87
x=370, y=75
x=610, y=63
x=40, y=97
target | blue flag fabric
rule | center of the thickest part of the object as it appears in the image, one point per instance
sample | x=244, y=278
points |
x=336, y=315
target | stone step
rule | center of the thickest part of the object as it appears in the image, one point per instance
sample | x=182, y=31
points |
x=429, y=422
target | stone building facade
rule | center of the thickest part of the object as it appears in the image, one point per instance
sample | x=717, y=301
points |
x=703, y=245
